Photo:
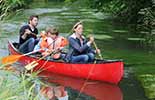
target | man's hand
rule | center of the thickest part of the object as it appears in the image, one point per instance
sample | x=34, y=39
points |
x=27, y=31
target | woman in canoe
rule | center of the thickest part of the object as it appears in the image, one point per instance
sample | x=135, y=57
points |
x=80, y=50
x=51, y=42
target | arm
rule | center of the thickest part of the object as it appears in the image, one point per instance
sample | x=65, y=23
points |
x=24, y=32
x=24, y=36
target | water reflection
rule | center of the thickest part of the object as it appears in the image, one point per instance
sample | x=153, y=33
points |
x=53, y=93
x=98, y=90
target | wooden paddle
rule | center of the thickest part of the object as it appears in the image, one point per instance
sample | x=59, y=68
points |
x=99, y=53
x=97, y=49
x=14, y=58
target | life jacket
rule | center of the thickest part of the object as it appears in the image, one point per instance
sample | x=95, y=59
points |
x=43, y=43
x=57, y=44
x=64, y=42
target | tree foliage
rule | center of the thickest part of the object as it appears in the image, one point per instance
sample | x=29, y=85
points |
x=7, y=6
x=138, y=12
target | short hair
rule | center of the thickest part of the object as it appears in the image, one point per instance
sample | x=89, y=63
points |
x=52, y=30
x=33, y=16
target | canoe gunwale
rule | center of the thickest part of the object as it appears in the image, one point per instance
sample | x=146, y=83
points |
x=98, y=60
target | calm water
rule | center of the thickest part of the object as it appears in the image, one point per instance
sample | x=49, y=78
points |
x=116, y=41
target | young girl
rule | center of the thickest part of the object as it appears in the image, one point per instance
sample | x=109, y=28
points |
x=51, y=42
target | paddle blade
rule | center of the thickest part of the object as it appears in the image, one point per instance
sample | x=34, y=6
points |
x=31, y=65
x=10, y=59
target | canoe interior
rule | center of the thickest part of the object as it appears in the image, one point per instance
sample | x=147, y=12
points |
x=98, y=61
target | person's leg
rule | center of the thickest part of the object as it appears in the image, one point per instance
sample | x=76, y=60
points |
x=80, y=59
x=63, y=57
x=27, y=46
x=24, y=47
x=37, y=40
x=37, y=44
x=31, y=44
x=91, y=57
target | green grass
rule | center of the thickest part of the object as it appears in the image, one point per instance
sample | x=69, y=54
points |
x=17, y=87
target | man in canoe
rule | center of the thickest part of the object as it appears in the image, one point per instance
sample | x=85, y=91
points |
x=51, y=42
x=28, y=35
x=80, y=50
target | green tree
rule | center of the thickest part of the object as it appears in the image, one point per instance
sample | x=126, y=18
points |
x=7, y=6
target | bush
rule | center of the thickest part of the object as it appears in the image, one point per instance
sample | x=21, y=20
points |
x=7, y=6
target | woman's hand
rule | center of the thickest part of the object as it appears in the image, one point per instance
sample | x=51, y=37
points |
x=98, y=51
x=91, y=39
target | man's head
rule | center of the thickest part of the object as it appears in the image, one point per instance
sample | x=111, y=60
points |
x=33, y=20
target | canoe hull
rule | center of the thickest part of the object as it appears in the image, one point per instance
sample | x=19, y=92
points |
x=111, y=72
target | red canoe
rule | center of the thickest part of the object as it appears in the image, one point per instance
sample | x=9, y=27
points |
x=109, y=71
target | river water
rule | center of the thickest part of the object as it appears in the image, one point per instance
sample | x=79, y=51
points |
x=116, y=41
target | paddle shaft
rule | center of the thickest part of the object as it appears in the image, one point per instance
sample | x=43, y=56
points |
x=97, y=49
x=31, y=52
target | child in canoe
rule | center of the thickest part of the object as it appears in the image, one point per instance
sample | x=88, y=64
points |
x=51, y=43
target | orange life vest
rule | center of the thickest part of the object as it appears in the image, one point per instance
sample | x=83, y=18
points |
x=64, y=42
x=43, y=43
x=53, y=45
x=57, y=44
